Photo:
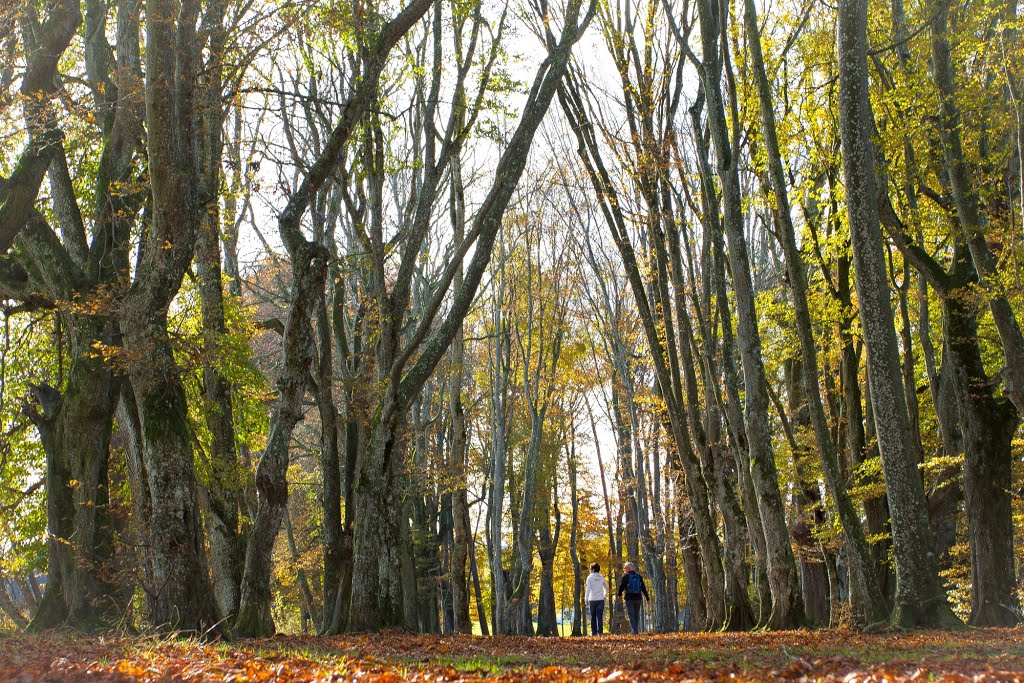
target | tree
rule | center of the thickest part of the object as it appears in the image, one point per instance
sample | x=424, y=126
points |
x=867, y=597
x=920, y=599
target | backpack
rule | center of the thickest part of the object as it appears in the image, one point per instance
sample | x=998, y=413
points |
x=633, y=582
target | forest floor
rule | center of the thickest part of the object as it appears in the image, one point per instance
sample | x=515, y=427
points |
x=825, y=655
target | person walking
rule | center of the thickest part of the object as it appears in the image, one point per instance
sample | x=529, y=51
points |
x=633, y=586
x=596, y=590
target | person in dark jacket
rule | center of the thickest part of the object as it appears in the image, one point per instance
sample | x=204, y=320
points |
x=633, y=586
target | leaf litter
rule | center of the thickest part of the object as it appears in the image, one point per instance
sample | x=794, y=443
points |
x=830, y=656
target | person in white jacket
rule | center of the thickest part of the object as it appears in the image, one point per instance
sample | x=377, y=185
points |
x=596, y=591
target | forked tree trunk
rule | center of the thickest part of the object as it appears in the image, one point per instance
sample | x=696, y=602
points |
x=377, y=554
x=180, y=597
x=308, y=272
x=86, y=588
x=986, y=423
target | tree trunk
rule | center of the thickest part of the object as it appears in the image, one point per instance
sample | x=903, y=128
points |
x=180, y=594
x=695, y=602
x=712, y=452
x=787, y=610
x=920, y=600
x=972, y=221
x=987, y=424
x=75, y=432
x=330, y=462
x=547, y=543
x=733, y=413
x=377, y=599
x=223, y=477
x=578, y=596
x=460, y=506
x=480, y=611
x=308, y=271
x=868, y=602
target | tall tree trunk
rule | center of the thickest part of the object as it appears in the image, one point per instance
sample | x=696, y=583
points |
x=920, y=599
x=223, y=476
x=733, y=412
x=578, y=596
x=84, y=589
x=181, y=591
x=986, y=423
x=460, y=505
x=787, y=609
x=378, y=599
x=712, y=452
x=500, y=359
x=810, y=512
x=868, y=601
x=614, y=604
x=308, y=270
x=330, y=462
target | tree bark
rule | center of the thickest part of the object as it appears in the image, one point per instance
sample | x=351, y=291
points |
x=987, y=426
x=460, y=506
x=920, y=599
x=787, y=610
x=868, y=601
x=578, y=625
x=75, y=432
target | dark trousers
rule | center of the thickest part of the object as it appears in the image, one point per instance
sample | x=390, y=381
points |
x=633, y=610
x=596, y=617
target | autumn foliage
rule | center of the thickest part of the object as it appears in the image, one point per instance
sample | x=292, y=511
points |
x=824, y=655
